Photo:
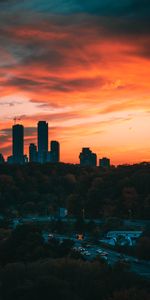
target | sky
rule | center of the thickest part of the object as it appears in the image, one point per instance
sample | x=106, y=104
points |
x=83, y=66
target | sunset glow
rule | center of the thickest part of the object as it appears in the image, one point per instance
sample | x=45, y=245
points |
x=86, y=74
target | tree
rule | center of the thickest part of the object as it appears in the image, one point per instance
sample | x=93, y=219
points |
x=143, y=248
x=134, y=294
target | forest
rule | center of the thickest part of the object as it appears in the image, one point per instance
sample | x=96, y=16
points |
x=122, y=191
x=64, y=279
x=31, y=269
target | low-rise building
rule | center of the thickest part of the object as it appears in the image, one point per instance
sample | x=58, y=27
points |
x=131, y=234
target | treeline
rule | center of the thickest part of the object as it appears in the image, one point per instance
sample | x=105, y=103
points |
x=26, y=243
x=40, y=189
x=65, y=279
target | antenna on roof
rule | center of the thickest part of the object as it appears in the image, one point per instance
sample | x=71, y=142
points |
x=16, y=119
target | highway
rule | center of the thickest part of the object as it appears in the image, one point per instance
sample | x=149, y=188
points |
x=140, y=267
x=33, y=218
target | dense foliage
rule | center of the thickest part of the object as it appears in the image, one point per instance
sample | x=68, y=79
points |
x=65, y=279
x=32, y=269
x=123, y=191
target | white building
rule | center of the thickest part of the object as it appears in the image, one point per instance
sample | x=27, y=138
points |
x=131, y=234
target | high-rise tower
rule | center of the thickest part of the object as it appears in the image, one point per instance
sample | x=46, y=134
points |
x=18, y=144
x=55, y=152
x=42, y=141
x=88, y=158
x=104, y=162
x=33, y=153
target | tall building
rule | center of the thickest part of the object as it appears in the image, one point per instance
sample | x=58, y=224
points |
x=104, y=162
x=2, y=160
x=42, y=141
x=18, y=144
x=33, y=154
x=54, y=154
x=88, y=158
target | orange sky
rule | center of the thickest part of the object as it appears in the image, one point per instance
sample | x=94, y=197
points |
x=88, y=79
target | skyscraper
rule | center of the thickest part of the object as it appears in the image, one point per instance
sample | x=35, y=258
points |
x=104, y=162
x=33, y=155
x=55, y=152
x=42, y=141
x=88, y=158
x=18, y=144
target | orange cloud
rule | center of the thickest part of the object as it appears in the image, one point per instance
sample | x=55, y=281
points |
x=84, y=77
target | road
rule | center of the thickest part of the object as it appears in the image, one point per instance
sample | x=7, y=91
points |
x=30, y=218
x=140, y=267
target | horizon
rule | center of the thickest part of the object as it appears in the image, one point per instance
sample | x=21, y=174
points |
x=84, y=68
x=49, y=145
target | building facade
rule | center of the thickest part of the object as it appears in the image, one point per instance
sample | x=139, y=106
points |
x=104, y=162
x=33, y=154
x=88, y=158
x=55, y=152
x=18, y=144
x=42, y=141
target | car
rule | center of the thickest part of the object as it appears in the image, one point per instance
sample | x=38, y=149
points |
x=99, y=251
x=86, y=253
x=50, y=235
x=81, y=249
x=104, y=253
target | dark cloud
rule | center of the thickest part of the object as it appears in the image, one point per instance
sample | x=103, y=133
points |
x=115, y=7
x=80, y=84
x=141, y=7
x=11, y=1
x=50, y=58
x=10, y=103
x=22, y=82
x=5, y=137
x=46, y=105
x=53, y=42
x=98, y=7
x=56, y=84
x=7, y=132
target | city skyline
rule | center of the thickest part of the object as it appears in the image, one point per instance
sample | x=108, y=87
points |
x=41, y=152
x=84, y=68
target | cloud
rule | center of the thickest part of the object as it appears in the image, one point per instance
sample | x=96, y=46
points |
x=76, y=65
x=10, y=103
x=98, y=7
x=114, y=7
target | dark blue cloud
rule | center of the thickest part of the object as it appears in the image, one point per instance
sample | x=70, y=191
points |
x=115, y=7
x=46, y=6
x=99, y=7
x=124, y=20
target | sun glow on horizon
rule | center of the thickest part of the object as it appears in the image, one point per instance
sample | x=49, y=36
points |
x=87, y=75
